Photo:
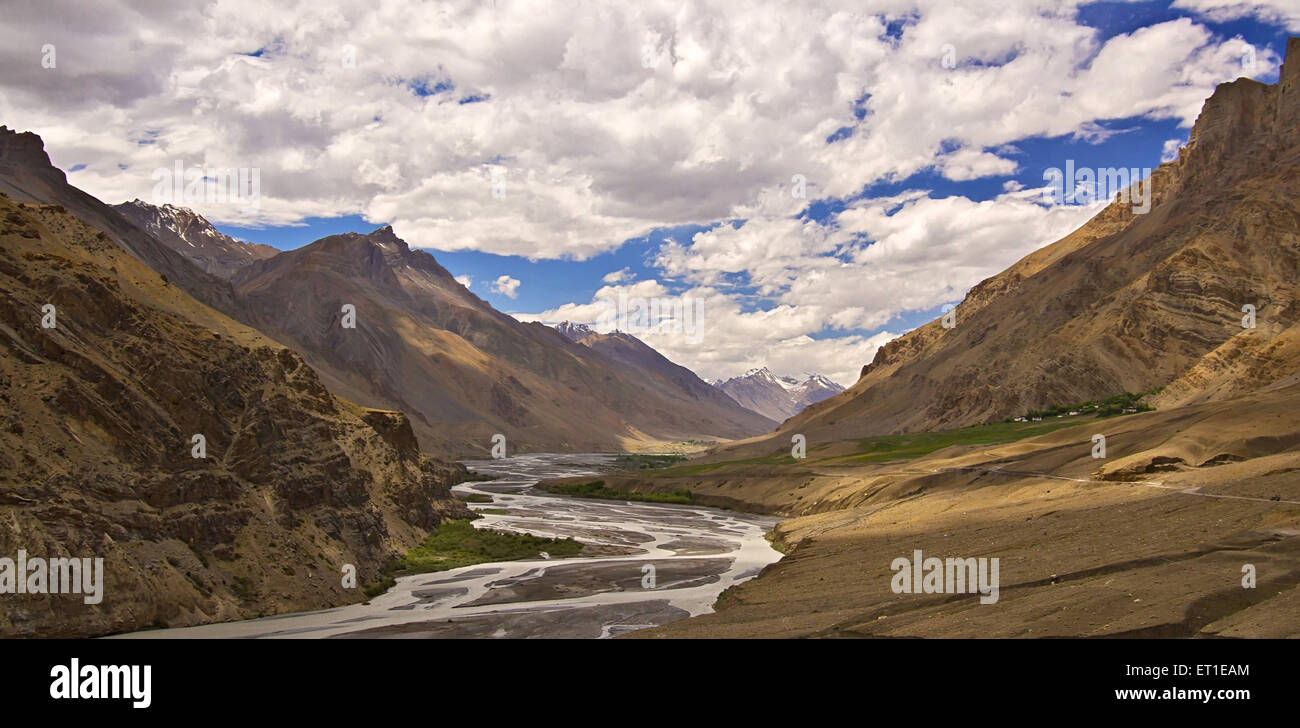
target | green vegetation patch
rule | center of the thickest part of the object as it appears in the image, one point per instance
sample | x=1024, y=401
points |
x=598, y=489
x=1119, y=404
x=911, y=446
x=647, y=462
x=473, y=477
x=457, y=543
x=473, y=497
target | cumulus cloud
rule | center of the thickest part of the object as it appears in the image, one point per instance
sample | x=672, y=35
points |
x=493, y=127
x=505, y=285
x=562, y=134
x=464, y=280
x=718, y=337
x=1169, y=152
x=799, y=296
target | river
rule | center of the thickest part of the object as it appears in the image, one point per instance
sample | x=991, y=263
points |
x=695, y=553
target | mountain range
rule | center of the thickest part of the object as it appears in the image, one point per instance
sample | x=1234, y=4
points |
x=318, y=445
x=778, y=398
x=324, y=382
x=1130, y=524
x=423, y=344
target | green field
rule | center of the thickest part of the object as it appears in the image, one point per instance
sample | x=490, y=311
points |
x=911, y=446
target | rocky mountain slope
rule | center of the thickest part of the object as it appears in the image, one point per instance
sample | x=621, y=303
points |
x=462, y=370
x=1127, y=303
x=779, y=398
x=191, y=235
x=97, y=419
x=26, y=175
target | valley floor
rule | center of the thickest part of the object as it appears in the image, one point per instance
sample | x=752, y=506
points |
x=1152, y=541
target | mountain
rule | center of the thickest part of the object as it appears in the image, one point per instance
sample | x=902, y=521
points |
x=464, y=371
x=1127, y=303
x=98, y=416
x=779, y=398
x=1144, y=538
x=191, y=235
x=630, y=351
x=26, y=175
x=423, y=344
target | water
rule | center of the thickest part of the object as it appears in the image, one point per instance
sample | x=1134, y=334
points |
x=696, y=553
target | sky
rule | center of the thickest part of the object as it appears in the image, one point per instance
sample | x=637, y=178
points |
x=810, y=179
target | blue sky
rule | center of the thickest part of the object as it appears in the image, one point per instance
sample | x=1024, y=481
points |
x=648, y=152
x=548, y=283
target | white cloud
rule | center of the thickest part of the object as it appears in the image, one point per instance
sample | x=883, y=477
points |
x=464, y=280
x=618, y=276
x=595, y=148
x=1285, y=13
x=505, y=285
x=1169, y=152
x=578, y=147
x=797, y=296
x=967, y=164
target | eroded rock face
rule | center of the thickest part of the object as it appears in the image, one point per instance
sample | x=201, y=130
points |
x=97, y=420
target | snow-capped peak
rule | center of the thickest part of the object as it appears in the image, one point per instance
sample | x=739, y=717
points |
x=777, y=397
x=572, y=331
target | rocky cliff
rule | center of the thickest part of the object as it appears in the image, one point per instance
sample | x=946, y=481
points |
x=98, y=414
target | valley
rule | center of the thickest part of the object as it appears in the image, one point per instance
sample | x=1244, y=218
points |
x=228, y=426
x=665, y=563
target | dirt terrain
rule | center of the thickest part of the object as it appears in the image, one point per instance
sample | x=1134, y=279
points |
x=1151, y=543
